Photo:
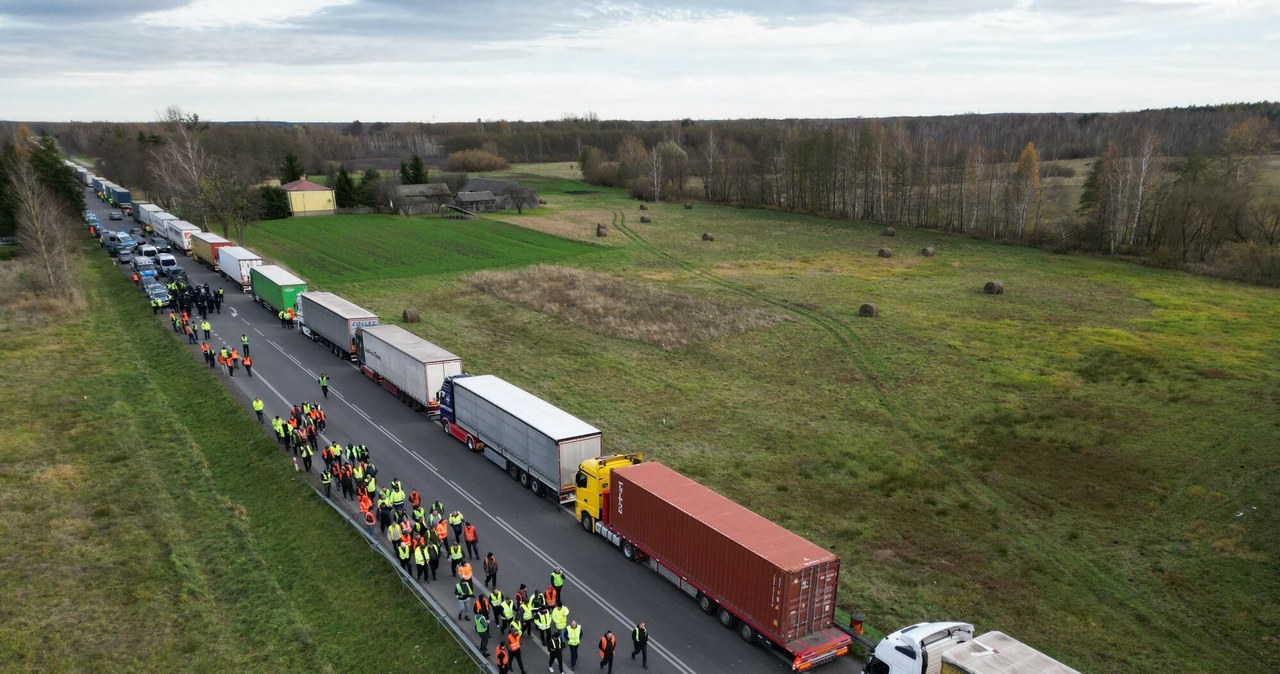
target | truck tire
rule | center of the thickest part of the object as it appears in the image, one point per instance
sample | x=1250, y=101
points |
x=525, y=480
x=707, y=604
x=471, y=443
x=445, y=426
x=727, y=619
x=535, y=486
x=747, y=633
x=587, y=525
x=629, y=550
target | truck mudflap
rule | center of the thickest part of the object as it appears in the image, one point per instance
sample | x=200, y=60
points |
x=818, y=648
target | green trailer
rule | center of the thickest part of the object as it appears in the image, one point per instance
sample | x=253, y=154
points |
x=275, y=288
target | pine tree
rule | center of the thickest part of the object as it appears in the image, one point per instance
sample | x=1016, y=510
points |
x=367, y=190
x=291, y=168
x=344, y=189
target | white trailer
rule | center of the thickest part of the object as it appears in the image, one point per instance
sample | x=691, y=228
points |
x=536, y=442
x=951, y=648
x=234, y=263
x=333, y=321
x=143, y=212
x=178, y=232
x=405, y=364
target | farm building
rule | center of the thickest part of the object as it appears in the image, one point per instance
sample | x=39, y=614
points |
x=476, y=202
x=427, y=198
x=502, y=191
x=308, y=198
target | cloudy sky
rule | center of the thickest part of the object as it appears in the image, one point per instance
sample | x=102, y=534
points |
x=453, y=60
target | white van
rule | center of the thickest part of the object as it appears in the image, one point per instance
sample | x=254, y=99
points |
x=166, y=262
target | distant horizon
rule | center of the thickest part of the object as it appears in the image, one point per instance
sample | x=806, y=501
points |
x=646, y=121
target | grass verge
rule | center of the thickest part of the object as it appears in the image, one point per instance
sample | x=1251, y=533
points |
x=149, y=525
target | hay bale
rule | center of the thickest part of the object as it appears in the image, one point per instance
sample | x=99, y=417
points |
x=601, y=229
x=889, y=231
x=928, y=251
x=707, y=236
x=688, y=205
x=885, y=252
x=644, y=207
x=868, y=310
x=993, y=288
x=411, y=316
x=542, y=202
x=645, y=219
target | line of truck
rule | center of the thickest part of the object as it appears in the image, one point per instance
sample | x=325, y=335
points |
x=768, y=584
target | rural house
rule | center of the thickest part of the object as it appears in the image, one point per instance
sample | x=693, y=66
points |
x=476, y=202
x=502, y=191
x=308, y=198
x=425, y=198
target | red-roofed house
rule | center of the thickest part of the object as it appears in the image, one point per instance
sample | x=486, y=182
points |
x=308, y=198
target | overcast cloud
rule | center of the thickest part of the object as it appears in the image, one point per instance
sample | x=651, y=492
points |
x=453, y=60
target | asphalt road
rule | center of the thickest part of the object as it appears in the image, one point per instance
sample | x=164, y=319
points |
x=529, y=535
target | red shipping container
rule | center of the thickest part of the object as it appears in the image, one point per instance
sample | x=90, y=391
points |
x=780, y=582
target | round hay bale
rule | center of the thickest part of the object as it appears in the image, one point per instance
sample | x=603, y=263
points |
x=993, y=288
x=708, y=236
x=542, y=202
x=644, y=207
x=885, y=252
x=411, y=316
x=928, y=251
x=688, y=205
x=868, y=310
x=601, y=229
x=645, y=219
x=889, y=231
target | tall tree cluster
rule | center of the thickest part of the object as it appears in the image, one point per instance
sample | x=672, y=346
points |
x=43, y=202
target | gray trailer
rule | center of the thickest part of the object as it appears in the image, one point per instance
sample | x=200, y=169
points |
x=333, y=321
x=405, y=364
x=536, y=442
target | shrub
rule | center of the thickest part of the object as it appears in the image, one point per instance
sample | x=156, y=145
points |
x=475, y=160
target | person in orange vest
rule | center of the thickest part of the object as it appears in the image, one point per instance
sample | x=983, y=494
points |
x=502, y=658
x=370, y=522
x=513, y=645
x=490, y=571
x=248, y=365
x=415, y=499
x=607, y=643
x=470, y=536
x=550, y=596
x=137, y=280
x=442, y=532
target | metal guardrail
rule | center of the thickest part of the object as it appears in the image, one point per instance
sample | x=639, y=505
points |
x=443, y=617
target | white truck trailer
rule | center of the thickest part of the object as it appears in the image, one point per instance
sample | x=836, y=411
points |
x=178, y=232
x=333, y=321
x=536, y=442
x=951, y=648
x=234, y=263
x=405, y=364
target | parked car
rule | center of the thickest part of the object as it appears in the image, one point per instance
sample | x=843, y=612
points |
x=176, y=274
x=115, y=215
x=147, y=270
x=158, y=292
x=124, y=255
x=162, y=244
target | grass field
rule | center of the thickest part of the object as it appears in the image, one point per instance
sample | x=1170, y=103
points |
x=150, y=526
x=1087, y=461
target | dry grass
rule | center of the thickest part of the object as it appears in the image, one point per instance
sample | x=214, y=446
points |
x=622, y=309
x=23, y=299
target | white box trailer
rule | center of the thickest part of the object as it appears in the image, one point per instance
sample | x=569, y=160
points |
x=951, y=648
x=333, y=321
x=178, y=232
x=534, y=441
x=143, y=212
x=234, y=263
x=405, y=364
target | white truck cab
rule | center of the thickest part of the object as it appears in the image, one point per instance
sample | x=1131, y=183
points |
x=951, y=648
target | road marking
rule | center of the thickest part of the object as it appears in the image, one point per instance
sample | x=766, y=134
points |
x=259, y=332
x=234, y=313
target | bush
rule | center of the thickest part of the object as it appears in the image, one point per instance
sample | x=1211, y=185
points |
x=475, y=160
x=1051, y=170
x=275, y=203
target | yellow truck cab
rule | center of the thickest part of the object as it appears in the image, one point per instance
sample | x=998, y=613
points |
x=592, y=482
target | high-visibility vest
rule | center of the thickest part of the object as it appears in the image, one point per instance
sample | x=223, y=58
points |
x=482, y=605
x=470, y=533
x=508, y=609
x=526, y=610
x=555, y=644
x=501, y=657
x=575, y=635
x=513, y=641
x=397, y=496
x=496, y=597
x=420, y=556
x=464, y=570
x=560, y=616
x=369, y=518
x=455, y=551
x=607, y=642
x=442, y=530
x=325, y=477
x=557, y=579
x=482, y=623
x=403, y=550
x=415, y=500
x=543, y=621
x=462, y=590
x=258, y=404
x=551, y=596
x=455, y=518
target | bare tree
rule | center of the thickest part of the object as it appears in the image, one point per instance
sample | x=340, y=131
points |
x=520, y=196
x=180, y=163
x=45, y=230
x=228, y=203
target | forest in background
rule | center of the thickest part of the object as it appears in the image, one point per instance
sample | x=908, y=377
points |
x=1196, y=188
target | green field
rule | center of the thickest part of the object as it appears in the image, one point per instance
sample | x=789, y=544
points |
x=1087, y=461
x=150, y=526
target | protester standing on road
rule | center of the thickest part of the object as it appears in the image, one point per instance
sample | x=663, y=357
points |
x=455, y=521
x=248, y=365
x=207, y=328
x=513, y=645
x=244, y=343
x=502, y=658
x=471, y=537
x=324, y=384
x=490, y=571
x=555, y=649
x=257, y=408
x=640, y=644
x=557, y=581
x=482, y=629
x=326, y=479
x=607, y=643
x=462, y=590
x=573, y=636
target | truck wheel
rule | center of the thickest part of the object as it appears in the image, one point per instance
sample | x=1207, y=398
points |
x=471, y=443
x=629, y=550
x=747, y=633
x=535, y=486
x=727, y=619
x=587, y=524
x=524, y=478
x=445, y=426
x=707, y=604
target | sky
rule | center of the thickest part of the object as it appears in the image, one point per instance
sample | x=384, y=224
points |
x=456, y=60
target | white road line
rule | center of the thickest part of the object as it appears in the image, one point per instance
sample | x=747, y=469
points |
x=260, y=334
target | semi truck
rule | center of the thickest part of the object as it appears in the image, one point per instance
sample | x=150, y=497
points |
x=204, y=248
x=234, y=263
x=951, y=648
x=536, y=442
x=332, y=321
x=406, y=365
x=275, y=288
x=768, y=584
x=121, y=197
x=142, y=212
x=178, y=232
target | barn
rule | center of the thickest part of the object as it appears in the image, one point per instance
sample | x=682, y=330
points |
x=308, y=198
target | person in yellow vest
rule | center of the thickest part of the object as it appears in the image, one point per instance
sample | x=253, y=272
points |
x=402, y=549
x=640, y=643
x=573, y=637
x=455, y=558
x=257, y=408
x=560, y=619
x=542, y=621
x=326, y=479
x=420, y=560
